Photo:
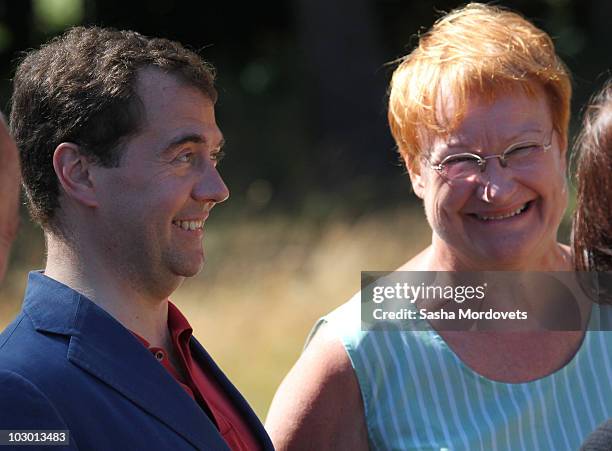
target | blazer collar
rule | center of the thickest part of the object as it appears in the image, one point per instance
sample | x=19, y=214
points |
x=104, y=348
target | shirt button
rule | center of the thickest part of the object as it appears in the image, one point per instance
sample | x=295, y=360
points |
x=159, y=355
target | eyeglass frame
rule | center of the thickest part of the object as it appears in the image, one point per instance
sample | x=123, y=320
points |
x=482, y=161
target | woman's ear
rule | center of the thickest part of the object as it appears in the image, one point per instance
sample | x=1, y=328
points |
x=72, y=168
x=416, y=177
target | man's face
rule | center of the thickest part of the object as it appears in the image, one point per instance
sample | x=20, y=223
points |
x=9, y=187
x=152, y=208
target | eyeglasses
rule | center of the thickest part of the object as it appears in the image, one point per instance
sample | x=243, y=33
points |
x=518, y=156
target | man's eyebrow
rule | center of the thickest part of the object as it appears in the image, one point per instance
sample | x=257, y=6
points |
x=179, y=141
x=190, y=138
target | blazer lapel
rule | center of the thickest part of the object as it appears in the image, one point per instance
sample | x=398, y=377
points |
x=206, y=362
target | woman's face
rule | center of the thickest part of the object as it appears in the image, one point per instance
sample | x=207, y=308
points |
x=502, y=216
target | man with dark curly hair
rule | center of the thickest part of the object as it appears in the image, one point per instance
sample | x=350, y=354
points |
x=119, y=150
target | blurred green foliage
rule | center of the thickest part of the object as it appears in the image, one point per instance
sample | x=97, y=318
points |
x=55, y=15
x=302, y=82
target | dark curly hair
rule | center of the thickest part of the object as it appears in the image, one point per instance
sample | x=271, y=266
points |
x=592, y=227
x=80, y=88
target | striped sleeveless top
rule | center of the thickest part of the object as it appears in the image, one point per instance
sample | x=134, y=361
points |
x=418, y=395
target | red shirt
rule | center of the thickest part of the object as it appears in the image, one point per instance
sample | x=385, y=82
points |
x=201, y=386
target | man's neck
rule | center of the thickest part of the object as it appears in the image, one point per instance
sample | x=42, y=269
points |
x=142, y=314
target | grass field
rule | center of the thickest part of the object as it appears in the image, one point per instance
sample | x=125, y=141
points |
x=276, y=277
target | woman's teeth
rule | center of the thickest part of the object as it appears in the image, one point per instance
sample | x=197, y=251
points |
x=189, y=225
x=508, y=215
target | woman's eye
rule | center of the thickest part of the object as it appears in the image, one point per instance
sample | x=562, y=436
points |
x=522, y=151
x=456, y=159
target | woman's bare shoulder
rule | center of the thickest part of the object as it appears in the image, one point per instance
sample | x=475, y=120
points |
x=318, y=405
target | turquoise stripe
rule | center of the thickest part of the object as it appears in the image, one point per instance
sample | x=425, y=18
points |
x=558, y=410
x=506, y=421
x=468, y=406
x=543, y=396
x=570, y=406
x=451, y=398
x=388, y=388
x=531, y=418
x=433, y=385
x=370, y=396
x=587, y=406
x=406, y=409
x=517, y=416
x=414, y=374
x=486, y=415
x=590, y=378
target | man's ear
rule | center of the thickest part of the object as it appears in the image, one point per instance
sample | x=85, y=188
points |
x=73, y=171
x=417, y=180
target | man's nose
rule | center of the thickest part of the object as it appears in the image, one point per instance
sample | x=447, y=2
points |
x=211, y=186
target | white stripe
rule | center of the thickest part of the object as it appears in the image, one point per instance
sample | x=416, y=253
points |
x=589, y=353
x=402, y=388
x=434, y=392
x=417, y=376
x=519, y=412
x=374, y=404
x=560, y=413
x=486, y=415
x=386, y=382
x=570, y=398
x=451, y=393
x=545, y=412
x=605, y=352
x=535, y=434
x=468, y=402
x=502, y=410
x=584, y=393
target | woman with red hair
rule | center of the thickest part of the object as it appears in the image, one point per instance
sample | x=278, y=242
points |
x=479, y=112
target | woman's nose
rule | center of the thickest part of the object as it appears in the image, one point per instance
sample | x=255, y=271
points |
x=498, y=184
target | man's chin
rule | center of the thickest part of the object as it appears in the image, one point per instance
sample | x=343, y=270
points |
x=189, y=269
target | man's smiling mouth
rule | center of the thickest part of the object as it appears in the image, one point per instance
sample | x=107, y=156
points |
x=189, y=225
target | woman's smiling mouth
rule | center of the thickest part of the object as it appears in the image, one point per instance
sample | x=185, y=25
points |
x=499, y=217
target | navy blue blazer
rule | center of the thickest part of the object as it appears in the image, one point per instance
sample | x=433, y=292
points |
x=67, y=364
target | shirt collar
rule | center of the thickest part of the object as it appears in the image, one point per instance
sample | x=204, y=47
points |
x=179, y=327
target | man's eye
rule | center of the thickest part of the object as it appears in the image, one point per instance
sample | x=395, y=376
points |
x=186, y=157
